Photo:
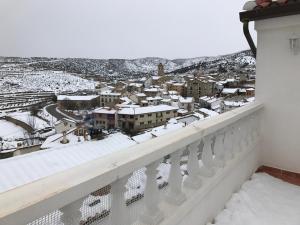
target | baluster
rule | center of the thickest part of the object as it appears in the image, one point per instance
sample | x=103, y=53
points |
x=193, y=180
x=242, y=138
x=119, y=215
x=235, y=136
x=151, y=215
x=254, y=129
x=219, y=160
x=175, y=194
x=228, y=145
x=249, y=136
x=71, y=213
x=257, y=127
x=207, y=159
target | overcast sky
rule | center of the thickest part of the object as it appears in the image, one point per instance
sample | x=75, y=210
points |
x=120, y=28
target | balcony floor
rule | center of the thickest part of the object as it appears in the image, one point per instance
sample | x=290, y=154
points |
x=262, y=200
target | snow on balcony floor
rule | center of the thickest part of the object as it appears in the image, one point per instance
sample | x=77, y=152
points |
x=263, y=200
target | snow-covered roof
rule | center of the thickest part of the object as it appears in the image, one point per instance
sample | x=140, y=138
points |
x=234, y=103
x=166, y=100
x=230, y=90
x=155, y=77
x=24, y=169
x=110, y=93
x=141, y=94
x=105, y=111
x=173, y=92
x=153, y=98
x=151, y=90
x=147, y=109
x=76, y=97
x=178, y=84
x=186, y=100
x=172, y=125
x=190, y=118
x=136, y=85
x=230, y=80
x=175, y=97
x=208, y=112
x=182, y=111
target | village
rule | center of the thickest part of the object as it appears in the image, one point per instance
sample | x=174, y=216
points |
x=139, y=109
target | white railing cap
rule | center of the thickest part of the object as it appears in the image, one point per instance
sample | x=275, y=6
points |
x=31, y=201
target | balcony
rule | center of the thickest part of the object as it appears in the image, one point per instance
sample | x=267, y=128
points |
x=185, y=177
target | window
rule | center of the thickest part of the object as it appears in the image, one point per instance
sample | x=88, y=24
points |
x=150, y=114
x=141, y=123
x=131, y=116
x=167, y=112
x=149, y=122
x=142, y=116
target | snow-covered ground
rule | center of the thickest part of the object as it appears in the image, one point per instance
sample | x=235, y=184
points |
x=264, y=200
x=30, y=120
x=9, y=130
x=44, y=81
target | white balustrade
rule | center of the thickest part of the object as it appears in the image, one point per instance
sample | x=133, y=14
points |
x=243, y=144
x=193, y=180
x=152, y=214
x=207, y=169
x=219, y=159
x=175, y=194
x=71, y=214
x=118, y=213
x=227, y=145
x=219, y=142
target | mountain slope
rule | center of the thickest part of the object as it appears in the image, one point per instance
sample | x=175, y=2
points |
x=136, y=67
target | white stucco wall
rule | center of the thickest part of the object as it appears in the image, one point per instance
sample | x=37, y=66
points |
x=277, y=86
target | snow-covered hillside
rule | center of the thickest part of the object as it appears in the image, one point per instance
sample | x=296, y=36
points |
x=132, y=67
x=44, y=81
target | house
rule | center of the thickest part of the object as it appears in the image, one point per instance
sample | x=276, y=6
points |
x=229, y=92
x=210, y=102
x=178, y=87
x=139, y=118
x=200, y=86
x=152, y=92
x=186, y=103
x=105, y=118
x=154, y=100
x=109, y=99
x=250, y=92
x=73, y=102
x=135, y=87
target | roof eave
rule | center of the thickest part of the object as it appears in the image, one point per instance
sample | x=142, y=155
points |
x=270, y=12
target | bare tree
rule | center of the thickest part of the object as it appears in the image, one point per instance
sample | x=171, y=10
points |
x=31, y=121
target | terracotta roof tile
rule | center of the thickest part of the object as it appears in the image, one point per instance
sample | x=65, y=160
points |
x=264, y=9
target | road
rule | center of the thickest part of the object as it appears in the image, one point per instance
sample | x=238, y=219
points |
x=51, y=109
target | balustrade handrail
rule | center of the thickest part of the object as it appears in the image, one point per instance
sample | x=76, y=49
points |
x=38, y=198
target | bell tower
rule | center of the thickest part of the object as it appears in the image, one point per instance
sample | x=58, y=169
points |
x=161, y=70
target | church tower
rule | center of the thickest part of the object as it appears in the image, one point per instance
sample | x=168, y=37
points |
x=161, y=70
